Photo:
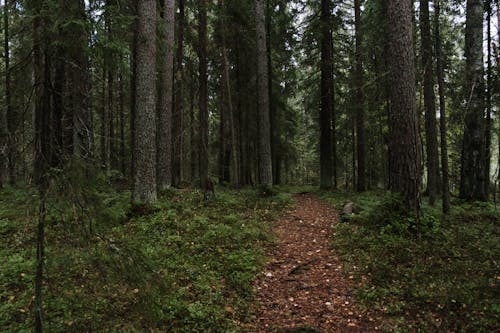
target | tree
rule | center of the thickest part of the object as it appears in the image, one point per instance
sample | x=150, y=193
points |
x=145, y=118
x=265, y=157
x=227, y=108
x=326, y=142
x=403, y=137
x=474, y=179
x=359, y=103
x=165, y=97
x=442, y=108
x=178, y=112
x=10, y=114
x=203, y=97
x=429, y=103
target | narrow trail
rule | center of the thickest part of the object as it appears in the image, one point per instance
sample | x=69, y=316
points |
x=303, y=288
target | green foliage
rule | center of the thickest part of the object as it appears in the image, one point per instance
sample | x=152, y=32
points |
x=187, y=266
x=446, y=280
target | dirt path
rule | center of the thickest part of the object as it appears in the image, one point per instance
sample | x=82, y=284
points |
x=303, y=288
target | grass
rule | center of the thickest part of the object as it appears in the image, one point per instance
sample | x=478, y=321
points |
x=445, y=280
x=186, y=266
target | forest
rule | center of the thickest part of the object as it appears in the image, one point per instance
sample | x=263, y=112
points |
x=249, y=166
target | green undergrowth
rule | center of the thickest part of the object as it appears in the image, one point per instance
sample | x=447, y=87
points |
x=446, y=280
x=183, y=265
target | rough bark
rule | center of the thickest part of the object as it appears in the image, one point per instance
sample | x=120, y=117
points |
x=145, y=136
x=265, y=158
x=359, y=102
x=489, y=94
x=123, y=167
x=474, y=181
x=178, y=114
x=228, y=103
x=442, y=110
x=326, y=142
x=11, y=116
x=403, y=139
x=429, y=103
x=166, y=97
x=203, y=97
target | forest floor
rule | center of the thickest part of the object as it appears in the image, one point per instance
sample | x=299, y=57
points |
x=303, y=288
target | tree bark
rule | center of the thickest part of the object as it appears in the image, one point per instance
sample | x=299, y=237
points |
x=429, y=103
x=403, y=141
x=228, y=102
x=166, y=97
x=178, y=115
x=265, y=158
x=359, y=102
x=11, y=116
x=442, y=109
x=326, y=142
x=203, y=97
x=145, y=136
x=474, y=181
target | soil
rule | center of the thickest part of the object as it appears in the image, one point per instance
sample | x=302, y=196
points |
x=303, y=288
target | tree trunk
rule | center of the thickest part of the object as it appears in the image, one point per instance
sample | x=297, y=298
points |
x=474, y=181
x=359, y=102
x=11, y=116
x=178, y=115
x=228, y=102
x=166, y=97
x=42, y=113
x=326, y=142
x=429, y=103
x=265, y=159
x=403, y=140
x=123, y=166
x=489, y=94
x=145, y=136
x=133, y=90
x=203, y=108
x=442, y=110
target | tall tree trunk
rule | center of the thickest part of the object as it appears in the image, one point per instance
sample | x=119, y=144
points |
x=265, y=158
x=203, y=108
x=489, y=93
x=178, y=115
x=474, y=181
x=442, y=109
x=326, y=142
x=228, y=101
x=123, y=166
x=403, y=141
x=359, y=102
x=192, y=132
x=133, y=89
x=41, y=67
x=11, y=116
x=104, y=124
x=166, y=97
x=429, y=104
x=145, y=136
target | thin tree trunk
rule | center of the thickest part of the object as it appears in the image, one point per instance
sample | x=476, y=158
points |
x=403, y=141
x=104, y=122
x=203, y=40
x=359, y=102
x=41, y=66
x=473, y=182
x=429, y=104
x=145, y=136
x=442, y=109
x=178, y=115
x=489, y=90
x=326, y=142
x=11, y=117
x=265, y=158
x=235, y=167
x=166, y=97
x=123, y=167
x=133, y=91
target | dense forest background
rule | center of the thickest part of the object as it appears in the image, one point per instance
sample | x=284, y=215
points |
x=88, y=54
x=110, y=109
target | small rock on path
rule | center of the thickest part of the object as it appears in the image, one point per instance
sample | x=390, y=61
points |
x=303, y=288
